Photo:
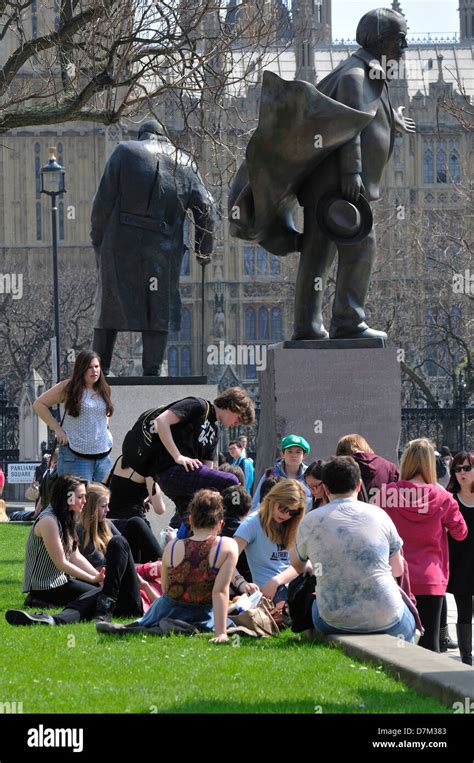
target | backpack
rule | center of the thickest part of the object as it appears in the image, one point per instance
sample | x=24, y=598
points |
x=142, y=446
x=300, y=601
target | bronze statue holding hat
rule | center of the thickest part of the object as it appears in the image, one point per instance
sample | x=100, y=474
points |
x=325, y=148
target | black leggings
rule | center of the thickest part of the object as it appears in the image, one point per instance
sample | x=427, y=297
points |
x=464, y=607
x=429, y=608
x=121, y=583
x=71, y=590
x=144, y=545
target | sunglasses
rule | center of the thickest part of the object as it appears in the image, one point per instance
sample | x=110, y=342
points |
x=290, y=512
x=466, y=468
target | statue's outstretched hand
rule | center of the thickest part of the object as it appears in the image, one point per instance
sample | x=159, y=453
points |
x=403, y=124
x=351, y=186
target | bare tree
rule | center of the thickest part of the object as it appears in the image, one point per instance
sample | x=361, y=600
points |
x=102, y=60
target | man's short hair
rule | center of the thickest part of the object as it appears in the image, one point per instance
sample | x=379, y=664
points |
x=237, y=471
x=238, y=401
x=341, y=474
x=235, y=442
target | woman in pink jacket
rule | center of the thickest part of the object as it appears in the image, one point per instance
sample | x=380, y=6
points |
x=423, y=513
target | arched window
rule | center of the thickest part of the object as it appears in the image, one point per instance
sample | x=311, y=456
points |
x=185, y=334
x=428, y=163
x=454, y=168
x=38, y=176
x=61, y=220
x=275, y=265
x=441, y=173
x=277, y=331
x=262, y=261
x=38, y=221
x=185, y=264
x=249, y=260
x=185, y=361
x=250, y=324
x=173, y=361
x=263, y=328
x=251, y=372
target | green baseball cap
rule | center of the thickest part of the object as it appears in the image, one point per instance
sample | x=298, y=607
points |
x=295, y=441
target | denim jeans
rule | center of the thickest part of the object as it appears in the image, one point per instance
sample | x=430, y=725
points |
x=90, y=469
x=165, y=606
x=403, y=629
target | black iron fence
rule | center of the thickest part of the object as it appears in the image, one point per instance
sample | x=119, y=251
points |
x=453, y=427
x=9, y=434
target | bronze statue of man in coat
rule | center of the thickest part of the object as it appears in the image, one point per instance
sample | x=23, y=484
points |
x=325, y=148
x=137, y=230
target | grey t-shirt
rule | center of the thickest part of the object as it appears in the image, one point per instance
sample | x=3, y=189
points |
x=349, y=544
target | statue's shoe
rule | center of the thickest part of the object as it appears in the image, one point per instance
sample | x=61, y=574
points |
x=368, y=333
x=304, y=335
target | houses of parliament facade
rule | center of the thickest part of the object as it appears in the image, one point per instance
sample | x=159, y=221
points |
x=248, y=293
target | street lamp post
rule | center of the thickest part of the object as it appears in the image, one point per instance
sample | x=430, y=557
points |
x=462, y=401
x=53, y=185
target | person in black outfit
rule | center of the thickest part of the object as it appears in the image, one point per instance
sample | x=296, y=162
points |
x=131, y=498
x=461, y=553
x=237, y=504
x=181, y=445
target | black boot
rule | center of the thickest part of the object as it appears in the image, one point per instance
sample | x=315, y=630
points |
x=464, y=631
x=17, y=617
x=104, y=609
x=445, y=640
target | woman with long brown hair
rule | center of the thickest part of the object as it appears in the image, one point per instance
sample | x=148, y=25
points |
x=83, y=435
x=461, y=553
x=267, y=537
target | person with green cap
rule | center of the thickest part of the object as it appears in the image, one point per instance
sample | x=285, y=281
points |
x=290, y=465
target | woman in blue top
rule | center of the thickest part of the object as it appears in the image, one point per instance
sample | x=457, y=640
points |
x=268, y=535
x=84, y=437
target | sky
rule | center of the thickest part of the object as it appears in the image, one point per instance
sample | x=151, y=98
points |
x=438, y=18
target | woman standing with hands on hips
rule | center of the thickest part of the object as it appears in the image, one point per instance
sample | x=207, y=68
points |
x=83, y=435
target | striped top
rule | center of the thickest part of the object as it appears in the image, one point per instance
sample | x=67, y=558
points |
x=41, y=574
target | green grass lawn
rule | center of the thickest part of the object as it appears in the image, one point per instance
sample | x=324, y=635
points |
x=74, y=669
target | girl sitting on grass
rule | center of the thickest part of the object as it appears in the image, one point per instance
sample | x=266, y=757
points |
x=195, y=574
x=95, y=532
x=267, y=537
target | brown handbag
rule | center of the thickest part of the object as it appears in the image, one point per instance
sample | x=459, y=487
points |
x=259, y=620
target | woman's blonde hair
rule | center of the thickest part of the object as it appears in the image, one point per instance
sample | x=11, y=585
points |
x=96, y=529
x=418, y=458
x=351, y=443
x=285, y=494
x=3, y=511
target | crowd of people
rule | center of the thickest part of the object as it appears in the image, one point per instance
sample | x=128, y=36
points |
x=384, y=542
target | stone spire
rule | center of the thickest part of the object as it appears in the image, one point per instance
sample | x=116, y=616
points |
x=466, y=20
x=312, y=27
x=397, y=7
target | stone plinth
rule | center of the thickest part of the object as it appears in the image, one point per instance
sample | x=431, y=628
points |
x=325, y=395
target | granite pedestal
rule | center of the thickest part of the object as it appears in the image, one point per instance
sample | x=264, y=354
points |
x=323, y=395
